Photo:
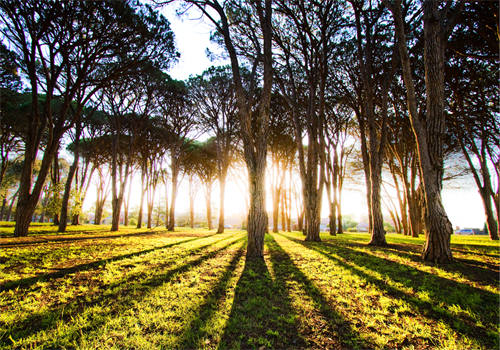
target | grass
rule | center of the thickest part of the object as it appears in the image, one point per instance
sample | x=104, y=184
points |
x=192, y=289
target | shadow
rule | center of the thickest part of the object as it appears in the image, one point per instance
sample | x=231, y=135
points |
x=475, y=252
x=261, y=315
x=336, y=327
x=33, y=231
x=29, y=281
x=439, y=289
x=120, y=296
x=196, y=331
x=477, y=271
x=111, y=236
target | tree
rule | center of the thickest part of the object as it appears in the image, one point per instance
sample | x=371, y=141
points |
x=306, y=43
x=67, y=47
x=429, y=128
x=176, y=119
x=214, y=99
x=246, y=32
x=471, y=81
x=201, y=158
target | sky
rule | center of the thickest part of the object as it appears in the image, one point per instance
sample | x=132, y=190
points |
x=463, y=204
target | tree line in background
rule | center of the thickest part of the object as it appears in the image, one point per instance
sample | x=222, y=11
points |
x=413, y=83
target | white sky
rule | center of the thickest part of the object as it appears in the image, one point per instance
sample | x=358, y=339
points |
x=464, y=206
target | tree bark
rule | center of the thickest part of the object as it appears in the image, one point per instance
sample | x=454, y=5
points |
x=257, y=216
x=222, y=193
x=208, y=199
x=191, y=202
x=276, y=206
x=4, y=204
x=171, y=219
x=429, y=133
x=63, y=222
x=141, y=201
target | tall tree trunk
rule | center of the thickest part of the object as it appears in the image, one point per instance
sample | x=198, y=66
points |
x=63, y=222
x=283, y=210
x=429, y=134
x=150, y=215
x=208, y=199
x=166, y=205
x=484, y=187
x=98, y=213
x=141, y=201
x=276, y=207
x=126, y=204
x=333, y=219
x=257, y=216
x=222, y=193
x=11, y=205
x=378, y=233
x=191, y=202
x=171, y=219
x=27, y=198
x=4, y=204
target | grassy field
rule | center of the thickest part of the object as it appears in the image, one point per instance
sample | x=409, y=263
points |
x=191, y=289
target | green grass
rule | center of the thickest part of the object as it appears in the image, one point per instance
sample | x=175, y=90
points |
x=192, y=289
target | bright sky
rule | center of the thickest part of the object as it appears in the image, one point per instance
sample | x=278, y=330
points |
x=463, y=205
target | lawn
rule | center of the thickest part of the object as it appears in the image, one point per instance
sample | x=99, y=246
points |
x=190, y=289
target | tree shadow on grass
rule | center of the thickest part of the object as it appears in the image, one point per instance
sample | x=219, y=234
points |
x=29, y=281
x=261, y=314
x=196, y=332
x=59, y=239
x=337, y=333
x=121, y=294
x=439, y=290
x=478, y=271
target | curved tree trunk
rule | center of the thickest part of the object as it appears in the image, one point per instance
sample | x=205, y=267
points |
x=429, y=132
x=67, y=187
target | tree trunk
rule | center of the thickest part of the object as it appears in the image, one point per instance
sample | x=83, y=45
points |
x=257, y=216
x=429, y=134
x=166, y=204
x=171, y=219
x=191, y=202
x=208, y=199
x=276, y=207
x=150, y=215
x=141, y=202
x=378, y=233
x=75, y=220
x=490, y=218
x=9, y=211
x=4, y=204
x=67, y=187
x=283, y=207
x=222, y=193
x=333, y=219
x=126, y=204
